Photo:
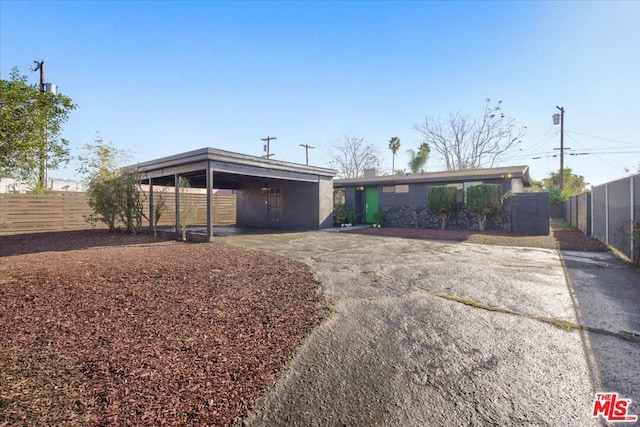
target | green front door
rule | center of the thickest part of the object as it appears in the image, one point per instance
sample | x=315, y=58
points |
x=371, y=206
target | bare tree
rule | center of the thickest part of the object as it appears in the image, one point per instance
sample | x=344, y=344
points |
x=351, y=155
x=469, y=143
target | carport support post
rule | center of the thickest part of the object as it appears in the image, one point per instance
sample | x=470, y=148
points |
x=152, y=217
x=176, y=180
x=209, y=181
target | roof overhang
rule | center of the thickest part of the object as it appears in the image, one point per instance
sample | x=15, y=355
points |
x=227, y=164
x=508, y=172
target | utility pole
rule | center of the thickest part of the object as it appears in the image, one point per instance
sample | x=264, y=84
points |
x=267, y=140
x=40, y=67
x=555, y=122
x=306, y=149
x=43, y=151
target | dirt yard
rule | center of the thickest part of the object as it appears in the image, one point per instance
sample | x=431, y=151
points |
x=102, y=329
x=561, y=237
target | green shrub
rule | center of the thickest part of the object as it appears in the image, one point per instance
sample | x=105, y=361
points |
x=485, y=201
x=442, y=200
x=114, y=194
x=378, y=218
x=556, y=196
x=117, y=201
x=343, y=215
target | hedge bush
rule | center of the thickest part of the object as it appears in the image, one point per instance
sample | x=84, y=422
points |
x=485, y=201
x=442, y=200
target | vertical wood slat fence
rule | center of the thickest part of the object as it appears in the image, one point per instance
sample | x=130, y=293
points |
x=34, y=213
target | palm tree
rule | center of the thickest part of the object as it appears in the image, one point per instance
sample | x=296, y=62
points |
x=394, y=146
x=419, y=158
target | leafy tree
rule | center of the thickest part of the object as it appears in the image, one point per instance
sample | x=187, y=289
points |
x=485, y=201
x=352, y=155
x=442, y=200
x=557, y=196
x=536, y=187
x=418, y=158
x=573, y=184
x=30, y=126
x=114, y=194
x=394, y=146
x=469, y=143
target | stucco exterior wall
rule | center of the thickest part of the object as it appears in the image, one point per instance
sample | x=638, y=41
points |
x=251, y=206
x=305, y=205
x=325, y=203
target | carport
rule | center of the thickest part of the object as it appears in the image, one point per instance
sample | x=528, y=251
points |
x=269, y=193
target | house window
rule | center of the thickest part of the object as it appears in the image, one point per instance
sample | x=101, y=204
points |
x=467, y=185
x=471, y=184
x=460, y=191
x=402, y=188
x=388, y=189
x=339, y=197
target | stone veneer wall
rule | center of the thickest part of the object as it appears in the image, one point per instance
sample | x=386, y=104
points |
x=523, y=213
x=421, y=217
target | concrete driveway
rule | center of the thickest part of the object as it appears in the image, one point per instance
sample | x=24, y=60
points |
x=431, y=333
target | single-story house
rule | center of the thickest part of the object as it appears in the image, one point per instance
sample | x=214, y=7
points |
x=403, y=198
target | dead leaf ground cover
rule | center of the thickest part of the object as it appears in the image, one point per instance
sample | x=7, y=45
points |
x=131, y=331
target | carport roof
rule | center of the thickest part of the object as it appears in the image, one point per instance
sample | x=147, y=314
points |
x=507, y=172
x=228, y=167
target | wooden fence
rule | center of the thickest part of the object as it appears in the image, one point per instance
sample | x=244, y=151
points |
x=34, y=213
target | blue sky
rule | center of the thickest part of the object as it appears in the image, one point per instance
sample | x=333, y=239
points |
x=160, y=78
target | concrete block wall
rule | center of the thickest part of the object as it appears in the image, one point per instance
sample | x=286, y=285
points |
x=599, y=212
x=607, y=212
x=557, y=210
x=618, y=200
x=583, y=206
x=325, y=202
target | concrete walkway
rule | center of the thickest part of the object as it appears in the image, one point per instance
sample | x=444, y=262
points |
x=430, y=333
x=606, y=294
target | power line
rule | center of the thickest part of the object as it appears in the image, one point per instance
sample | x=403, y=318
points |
x=600, y=158
x=526, y=152
x=604, y=139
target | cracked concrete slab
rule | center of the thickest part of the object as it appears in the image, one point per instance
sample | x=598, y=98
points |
x=394, y=353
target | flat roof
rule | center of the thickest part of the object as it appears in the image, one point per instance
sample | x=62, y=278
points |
x=444, y=176
x=228, y=166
